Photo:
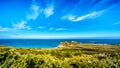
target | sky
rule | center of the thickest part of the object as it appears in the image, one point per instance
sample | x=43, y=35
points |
x=59, y=18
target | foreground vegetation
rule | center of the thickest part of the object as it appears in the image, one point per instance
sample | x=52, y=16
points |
x=67, y=55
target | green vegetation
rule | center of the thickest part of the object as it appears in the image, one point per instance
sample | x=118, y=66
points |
x=67, y=55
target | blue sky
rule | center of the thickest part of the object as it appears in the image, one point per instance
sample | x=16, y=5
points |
x=59, y=18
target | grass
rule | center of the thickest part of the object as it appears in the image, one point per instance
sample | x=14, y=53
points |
x=67, y=55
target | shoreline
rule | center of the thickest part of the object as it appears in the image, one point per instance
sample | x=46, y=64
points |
x=80, y=43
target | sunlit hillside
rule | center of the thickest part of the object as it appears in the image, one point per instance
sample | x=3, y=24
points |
x=66, y=55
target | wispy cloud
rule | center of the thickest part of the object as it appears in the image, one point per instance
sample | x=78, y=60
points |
x=50, y=29
x=49, y=10
x=80, y=18
x=4, y=28
x=41, y=27
x=57, y=29
x=116, y=23
x=85, y=16
x=21, y=25
x=60, y=29
x=69, y=17
x=4, y=36
x=34, y=12
x=32, y=15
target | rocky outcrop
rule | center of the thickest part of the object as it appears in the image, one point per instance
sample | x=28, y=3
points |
x=68, y=44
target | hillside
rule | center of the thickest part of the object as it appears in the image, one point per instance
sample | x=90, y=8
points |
x=67, y=55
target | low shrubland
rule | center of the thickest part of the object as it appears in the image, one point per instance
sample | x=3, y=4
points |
x=74, y=56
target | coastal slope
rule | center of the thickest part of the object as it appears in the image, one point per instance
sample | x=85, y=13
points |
x=66, y=55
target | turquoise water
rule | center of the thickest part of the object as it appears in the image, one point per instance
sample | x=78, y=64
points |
x=51, y=43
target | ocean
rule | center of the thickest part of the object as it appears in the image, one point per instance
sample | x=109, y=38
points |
x=51, y=43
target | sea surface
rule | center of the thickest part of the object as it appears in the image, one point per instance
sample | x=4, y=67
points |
x=51, y=43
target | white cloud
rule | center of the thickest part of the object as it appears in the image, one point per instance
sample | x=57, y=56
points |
x=57, y=29
x=85, y=16
x=49, y=10
x=41, y=27
x=4, y=28
x=69, y=17
x=18, y=26
x=21, y=25
x=60, y=29
x=80, y=18
x=32, y=15
x=34, y=12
